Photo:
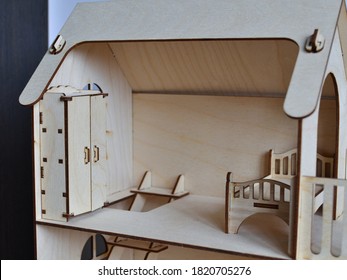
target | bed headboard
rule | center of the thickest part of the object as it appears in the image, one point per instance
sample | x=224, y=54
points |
x=284, y=165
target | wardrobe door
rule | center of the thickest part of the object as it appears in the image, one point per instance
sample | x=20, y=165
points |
x=77, y=117
x=98, y=150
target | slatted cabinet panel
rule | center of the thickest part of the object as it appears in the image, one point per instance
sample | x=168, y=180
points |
x=73, y=153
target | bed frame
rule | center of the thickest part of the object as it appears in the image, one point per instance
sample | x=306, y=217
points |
x=271, y=194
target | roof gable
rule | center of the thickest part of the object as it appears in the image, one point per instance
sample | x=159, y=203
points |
x=205, y=19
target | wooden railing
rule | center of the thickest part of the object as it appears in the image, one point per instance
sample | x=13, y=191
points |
x=321, y=235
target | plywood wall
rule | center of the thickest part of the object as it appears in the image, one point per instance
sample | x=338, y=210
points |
x=200, y=136
x=204, y=137
x=94, y=63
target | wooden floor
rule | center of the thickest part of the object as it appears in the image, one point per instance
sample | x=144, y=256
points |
x=193, y=221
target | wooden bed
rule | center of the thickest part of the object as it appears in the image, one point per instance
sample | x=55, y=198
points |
x=271, y=194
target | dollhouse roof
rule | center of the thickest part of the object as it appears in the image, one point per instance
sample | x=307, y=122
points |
x=207, y=21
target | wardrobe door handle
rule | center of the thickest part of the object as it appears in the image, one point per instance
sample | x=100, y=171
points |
x=86, y=155
x=96, y=153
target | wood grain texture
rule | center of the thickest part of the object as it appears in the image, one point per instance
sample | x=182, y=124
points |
x=143, y=196
x=309, y=144
x=140, y=200
x=205, y=20
x=52, y=149
x=274, y=193
x=146, y=187
x=331, y=243
x=204, y=137
x=60, y=244
x=78, y=139
x=98, y=148
x=94, y=63
x=213, y=67
x=148, y=196
x=219, y=120
x=73, y=152
x=248, y=198
x=189, y=223
x=283, y=166
x=336, y=70
x=50, y=238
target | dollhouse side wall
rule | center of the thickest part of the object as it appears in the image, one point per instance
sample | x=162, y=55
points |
x=336, y=67
x=307, y=171
x=95, y=64
x=37, y=160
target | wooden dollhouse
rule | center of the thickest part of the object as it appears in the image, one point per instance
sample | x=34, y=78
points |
x=153, y=121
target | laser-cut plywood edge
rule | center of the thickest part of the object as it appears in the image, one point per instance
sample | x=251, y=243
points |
x=271, y=194
x=308, y=180
x=342, y=31
x=184, y=227
x=81, y=63
x=129, y=246
x=81, y=28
